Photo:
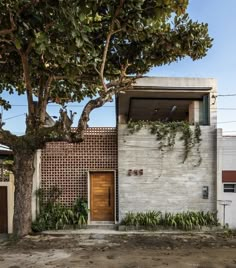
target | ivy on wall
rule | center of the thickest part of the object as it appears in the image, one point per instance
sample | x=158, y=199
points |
x=166, y=134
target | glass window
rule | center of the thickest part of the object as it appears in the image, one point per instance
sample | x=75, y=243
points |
x=230, y=188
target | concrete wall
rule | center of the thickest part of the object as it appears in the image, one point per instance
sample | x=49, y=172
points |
x=167, y=184
x=171, y=87
x=226, y=153
x=189, y=85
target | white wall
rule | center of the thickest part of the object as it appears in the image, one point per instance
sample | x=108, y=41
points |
x=36, y=184
x=229, y=153
x=226, y=161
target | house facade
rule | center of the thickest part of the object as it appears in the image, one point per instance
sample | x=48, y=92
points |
x=166, y=183
x=118, y=172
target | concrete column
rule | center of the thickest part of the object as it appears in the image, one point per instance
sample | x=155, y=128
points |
x=194, y=112
x=36, y=184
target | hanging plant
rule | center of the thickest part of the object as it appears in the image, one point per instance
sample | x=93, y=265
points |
x=166, y=134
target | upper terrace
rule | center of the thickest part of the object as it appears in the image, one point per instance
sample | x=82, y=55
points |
x=169, y=99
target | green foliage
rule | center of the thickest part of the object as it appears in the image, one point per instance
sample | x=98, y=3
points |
x=8, y=162
x=7, y=167
x=68, y=41
x=150, y=218
x=166, y=134
x=80, y=212
x=189, y=220
x=185, y=221
x=54, y=216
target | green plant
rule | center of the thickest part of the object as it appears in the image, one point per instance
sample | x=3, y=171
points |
x=185, y=220
x=7, y=167
x=129, y=219
x=150, y=218
x=166, y=134
x=79, y=215
x=189, y=220
x=54, y=215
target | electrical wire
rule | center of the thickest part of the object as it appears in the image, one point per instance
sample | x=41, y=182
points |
x=113, y=106
x=225, y=95
x=226, y=122
x=14, y=116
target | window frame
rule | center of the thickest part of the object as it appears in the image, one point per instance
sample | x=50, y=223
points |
x=233, y=188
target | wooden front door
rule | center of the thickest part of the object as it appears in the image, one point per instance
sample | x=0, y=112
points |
x=3, y=209
x=102, y=200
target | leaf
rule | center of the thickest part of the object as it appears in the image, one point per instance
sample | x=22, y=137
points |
x=18, y=44
x=82, y=16
x=79, y=42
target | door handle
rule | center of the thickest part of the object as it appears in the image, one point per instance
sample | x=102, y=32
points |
x=109, y=196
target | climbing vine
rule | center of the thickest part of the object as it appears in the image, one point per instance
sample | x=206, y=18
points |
x=166, y=134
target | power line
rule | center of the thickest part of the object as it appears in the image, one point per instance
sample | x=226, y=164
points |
x=226, y=122
x=14, y=116
x=111, y=106
x=55, y=105
x=225, y=95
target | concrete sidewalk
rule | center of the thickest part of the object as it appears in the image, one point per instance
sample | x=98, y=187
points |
x=117, y=232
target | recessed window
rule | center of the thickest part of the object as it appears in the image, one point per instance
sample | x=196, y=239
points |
x=230, y=188
x=170, y=109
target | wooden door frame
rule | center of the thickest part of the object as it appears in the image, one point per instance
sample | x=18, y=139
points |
x=89, y=197
x=4, y=206
x=10, y=202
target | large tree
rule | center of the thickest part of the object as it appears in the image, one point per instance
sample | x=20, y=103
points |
x=62, y=51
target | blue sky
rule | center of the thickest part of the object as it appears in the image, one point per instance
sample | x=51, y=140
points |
x=220, y=63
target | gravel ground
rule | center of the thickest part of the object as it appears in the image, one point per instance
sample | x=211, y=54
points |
x=126, y=250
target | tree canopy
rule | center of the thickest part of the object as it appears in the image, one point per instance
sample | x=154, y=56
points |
x=63, y=51
x=60, y=51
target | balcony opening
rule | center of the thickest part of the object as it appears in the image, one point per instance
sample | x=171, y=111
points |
x=169, y=110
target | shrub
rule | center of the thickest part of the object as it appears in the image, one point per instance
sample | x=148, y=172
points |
x=185, y=220
x=54, y=215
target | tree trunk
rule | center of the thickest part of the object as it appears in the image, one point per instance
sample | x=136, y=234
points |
x=23, y=172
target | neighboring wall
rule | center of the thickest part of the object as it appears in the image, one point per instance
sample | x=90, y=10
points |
x=167, y=184
x=227, y=175
x=66, y=165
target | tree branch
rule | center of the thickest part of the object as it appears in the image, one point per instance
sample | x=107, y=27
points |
x=115, y=87
x=27, y=79
x=8, y=41
x=124, y=70
x=29, y=48
x=44, y=101
x=7, y=138
x=10, y=30
x=109, y=35
x=28, y=5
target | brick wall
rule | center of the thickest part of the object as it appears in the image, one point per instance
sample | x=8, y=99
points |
x=66, y=165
